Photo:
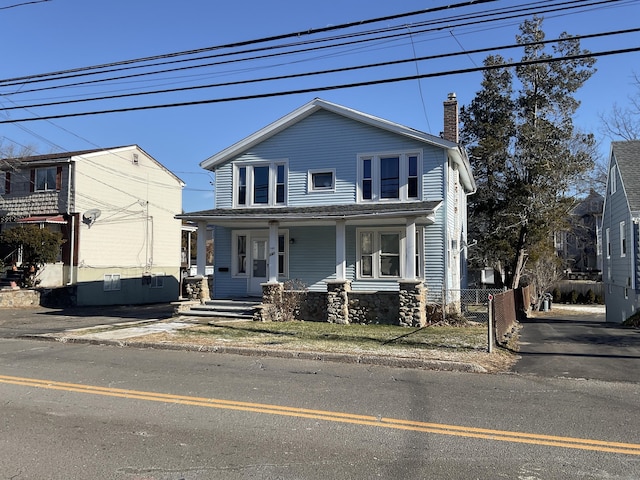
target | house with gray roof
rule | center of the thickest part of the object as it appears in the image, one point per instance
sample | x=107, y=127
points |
x=621, y=216
x=350, y=205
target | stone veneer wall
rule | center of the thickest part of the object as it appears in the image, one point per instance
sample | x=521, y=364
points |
x=362, y=307
x=374, y=308
x=19, y=298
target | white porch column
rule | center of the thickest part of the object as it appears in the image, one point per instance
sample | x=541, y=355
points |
x=341, y=250
x=202, y=249
x=273, y=251
x=410, y=250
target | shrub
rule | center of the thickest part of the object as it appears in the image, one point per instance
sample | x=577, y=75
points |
x=573, y=297
x=290, y=302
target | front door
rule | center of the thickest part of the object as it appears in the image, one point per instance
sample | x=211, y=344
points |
x=259, y=265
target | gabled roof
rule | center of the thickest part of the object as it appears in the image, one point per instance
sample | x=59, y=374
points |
x=66, y=157
x=58, y=157
x=627, y=156
x=458, y=155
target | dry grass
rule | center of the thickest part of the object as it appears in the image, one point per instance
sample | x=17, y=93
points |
x=456, y=344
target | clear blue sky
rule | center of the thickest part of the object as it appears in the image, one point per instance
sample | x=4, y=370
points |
x=63, y=34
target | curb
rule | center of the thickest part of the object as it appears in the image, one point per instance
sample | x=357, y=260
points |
x=380, y=360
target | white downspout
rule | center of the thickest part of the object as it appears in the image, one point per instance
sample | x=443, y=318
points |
x=73, y=228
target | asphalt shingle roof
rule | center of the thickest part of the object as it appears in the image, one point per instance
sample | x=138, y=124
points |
x=627, y=155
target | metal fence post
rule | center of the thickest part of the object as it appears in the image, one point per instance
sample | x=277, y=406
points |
x=490, y=326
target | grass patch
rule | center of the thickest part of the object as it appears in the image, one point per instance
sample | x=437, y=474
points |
x=333, y=337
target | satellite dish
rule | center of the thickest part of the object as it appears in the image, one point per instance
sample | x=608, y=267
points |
x=90, y=216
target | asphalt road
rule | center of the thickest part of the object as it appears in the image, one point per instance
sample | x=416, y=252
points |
x=70, y=411
x=576, y=342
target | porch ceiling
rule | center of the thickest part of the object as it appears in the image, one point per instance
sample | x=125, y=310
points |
x=385, y=213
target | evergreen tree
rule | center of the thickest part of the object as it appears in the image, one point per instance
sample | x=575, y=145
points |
x=525, y=151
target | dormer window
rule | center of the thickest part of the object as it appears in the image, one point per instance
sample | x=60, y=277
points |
x=389, y=177
x=260, y=184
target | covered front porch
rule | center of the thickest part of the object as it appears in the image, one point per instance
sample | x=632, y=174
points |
x=361, y=263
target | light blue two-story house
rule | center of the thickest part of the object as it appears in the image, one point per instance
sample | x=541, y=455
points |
x=369, y=214
x=620, y=234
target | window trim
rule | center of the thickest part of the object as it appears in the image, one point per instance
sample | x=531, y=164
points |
x=311, y=188
x=112, y=282
x=376, y=253
x=249, y=185
x=376, y=181
x=607, y=234
x=157, y=280
x=613, y=184
x=57, y=179
x=623, y=239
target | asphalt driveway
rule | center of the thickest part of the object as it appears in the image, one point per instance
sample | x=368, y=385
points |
x=16, y=322
x=576, y=342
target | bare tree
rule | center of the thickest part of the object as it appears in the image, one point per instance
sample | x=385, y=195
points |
x=624, y=121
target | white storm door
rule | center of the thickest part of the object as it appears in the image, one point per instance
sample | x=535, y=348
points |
x=259, y=265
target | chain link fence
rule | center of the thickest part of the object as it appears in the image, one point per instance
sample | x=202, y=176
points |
x=471, y=304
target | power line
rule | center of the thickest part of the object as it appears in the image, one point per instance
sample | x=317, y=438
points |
x=436, y=25
x=323, y=72
x=329, y=87
x=263, y=39
x=23, y=4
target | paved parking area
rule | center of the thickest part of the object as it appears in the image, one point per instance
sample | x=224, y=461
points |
x=576, y=342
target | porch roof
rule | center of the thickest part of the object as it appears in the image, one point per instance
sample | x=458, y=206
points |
x=59, y=219
x=424, y=212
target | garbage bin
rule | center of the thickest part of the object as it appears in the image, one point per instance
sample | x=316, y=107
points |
x=545, y=304
x=549, y=299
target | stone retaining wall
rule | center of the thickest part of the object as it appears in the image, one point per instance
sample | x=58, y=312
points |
x=406, y=307
x=19, y=298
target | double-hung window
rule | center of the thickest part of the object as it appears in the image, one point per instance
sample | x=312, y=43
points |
x=623, y=240
x=389, y=177
x=260, y=184
x=380, y=254
x=46, y=179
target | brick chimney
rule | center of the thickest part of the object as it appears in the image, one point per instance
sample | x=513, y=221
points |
x=451, y=118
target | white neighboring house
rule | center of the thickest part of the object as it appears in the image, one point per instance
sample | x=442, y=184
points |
x=116, y=210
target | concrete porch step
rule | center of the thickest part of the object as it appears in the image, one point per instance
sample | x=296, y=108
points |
x=240, y=308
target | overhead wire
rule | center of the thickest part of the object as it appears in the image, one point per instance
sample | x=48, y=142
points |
x=325, y=87
x=324, y=72
x=446, y=23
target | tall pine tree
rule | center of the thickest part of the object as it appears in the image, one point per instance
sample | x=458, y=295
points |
x=526, y=153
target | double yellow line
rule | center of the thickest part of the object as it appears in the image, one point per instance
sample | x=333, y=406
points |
x=368, y=420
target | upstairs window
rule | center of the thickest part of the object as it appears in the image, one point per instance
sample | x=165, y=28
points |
x=321, y=180
x=623, y=240
x=389, y=177
x=260, y=184
x=613, y=186
x=46, y=179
